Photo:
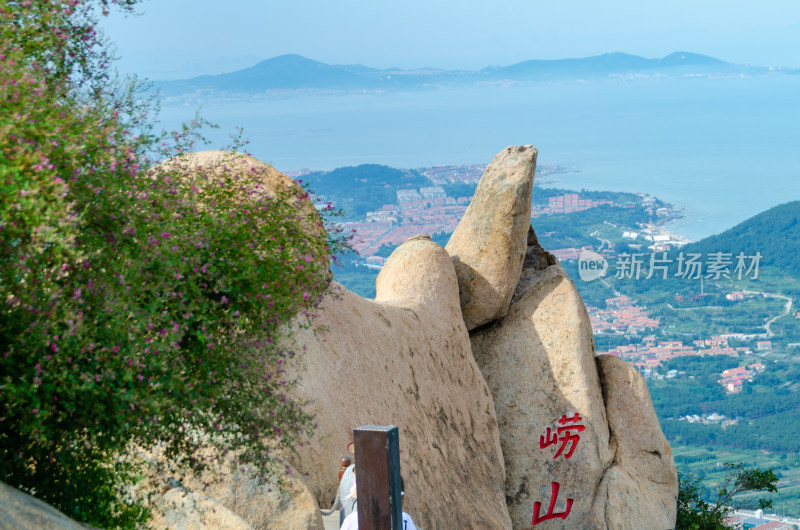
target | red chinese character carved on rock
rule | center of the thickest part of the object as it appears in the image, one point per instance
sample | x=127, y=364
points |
x=548, y=439
x=564, y=435
x=554, y=487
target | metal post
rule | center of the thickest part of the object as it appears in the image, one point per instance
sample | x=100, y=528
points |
x=377, y=448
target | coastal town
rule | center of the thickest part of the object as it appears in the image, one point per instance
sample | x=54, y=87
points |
x=624, y=316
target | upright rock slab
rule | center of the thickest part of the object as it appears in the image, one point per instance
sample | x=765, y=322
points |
x=640, y=489
x=488, y=246
x=539, y=364
x=404, y=359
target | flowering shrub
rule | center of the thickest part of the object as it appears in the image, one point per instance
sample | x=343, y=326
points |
x=135, y=307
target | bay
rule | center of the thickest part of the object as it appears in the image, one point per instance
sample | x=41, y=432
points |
x=721, y=149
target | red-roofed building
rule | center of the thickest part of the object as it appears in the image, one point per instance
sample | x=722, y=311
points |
x=734, y=522
x=735, y=372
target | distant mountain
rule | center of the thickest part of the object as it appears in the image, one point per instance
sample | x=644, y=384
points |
x=613, y=63
x=291, y=72
x=285, y=71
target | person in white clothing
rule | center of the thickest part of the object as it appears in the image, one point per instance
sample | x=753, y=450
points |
x=351, y=521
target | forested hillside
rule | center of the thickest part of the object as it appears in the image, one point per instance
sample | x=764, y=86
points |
x=358, y=189
x=774, y=233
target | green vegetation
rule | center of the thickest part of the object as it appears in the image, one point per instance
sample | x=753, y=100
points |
x=766, y=410
x=695, y=513
x=138, y=308
x=774, y=233
x=459, y=190
x=747, y=316
x=787, y=331
x=541, y=195
x=575, y=229
x=707, y=464
x=357, y=190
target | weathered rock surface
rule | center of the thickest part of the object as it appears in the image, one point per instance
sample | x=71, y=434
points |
x=20, y=511
x=404, y=359
x=265, y=505
x=185, y=510
x=488, y=246
x=226, y=490
x=640, y=488
x=249, y=178
x=539, y=364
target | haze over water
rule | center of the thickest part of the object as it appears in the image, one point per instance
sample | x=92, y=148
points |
x=722, y=149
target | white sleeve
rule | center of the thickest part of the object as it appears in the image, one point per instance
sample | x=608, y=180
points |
x=408, y=523
x=350, y=522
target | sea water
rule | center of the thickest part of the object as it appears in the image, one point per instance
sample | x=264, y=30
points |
x=720, y=149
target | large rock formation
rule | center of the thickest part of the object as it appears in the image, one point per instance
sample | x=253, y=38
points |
x=404, y=359
x=488, y=246
x=572, y=455
x=568, y=430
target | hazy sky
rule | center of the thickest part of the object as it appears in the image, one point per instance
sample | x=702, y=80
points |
x=181, y=38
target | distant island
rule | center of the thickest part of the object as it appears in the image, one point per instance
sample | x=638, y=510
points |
x=294, y=72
